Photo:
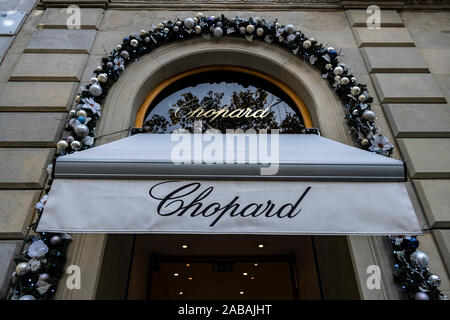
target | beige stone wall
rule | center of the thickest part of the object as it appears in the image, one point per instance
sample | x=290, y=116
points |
x=405, y=65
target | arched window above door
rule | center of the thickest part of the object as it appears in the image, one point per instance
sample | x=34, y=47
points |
x=222, y=98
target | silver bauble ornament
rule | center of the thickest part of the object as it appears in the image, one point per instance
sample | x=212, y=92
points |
x=353, y=79
x=102, y=77
x=212, y=18
x=260, y=32
x=218, y=32
x=355, y=90
x=93, y=80
x=124, y=54
x=99, y=69
x=88, y=141
x=27, y=297
x=62, y=145
x=81, y=113
x=290, y=28
x=142, y=33
x=22, y=268
x=306, y=44
x=70, y=139
x=76, y=145
x=198, y=29
x=362, y=98
x=189, y=23
x=345, y=81
x=82, y=130
x=434, y=280
x=200, y=15
x=179, y=23
x=166, y=30
x=250, y=28
x=328, y=66
x=338, y=71
x=369, y=115
x=119, y=46
x=55, y=240
x=242, y=30
x=421, y=296
x=147, y=39
x=72, y=113
x=219, y=24
x=355, y=112
x=330, y=49
x=337, y=78
x=95, y=89
x=44, y=277
x=419, y=258
x=364, y=142
x=134, y=43
x=109, y=65
x=160, y=26
x=175, y=29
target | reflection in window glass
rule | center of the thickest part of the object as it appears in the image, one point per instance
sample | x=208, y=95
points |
x=222, y=100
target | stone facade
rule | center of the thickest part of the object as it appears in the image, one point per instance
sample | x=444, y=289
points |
x=405, y=64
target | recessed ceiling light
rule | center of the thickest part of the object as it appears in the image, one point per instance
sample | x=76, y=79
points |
x=175, y=274
x=260, y=246
x=255, y=264
x=188, y=265
x=245, y=273
x=184, y=246
x=180, y=293
x=253, y=278
x=242, y=292
x=189, y=278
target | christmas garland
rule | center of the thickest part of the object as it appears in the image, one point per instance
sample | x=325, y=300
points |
x=40, y=265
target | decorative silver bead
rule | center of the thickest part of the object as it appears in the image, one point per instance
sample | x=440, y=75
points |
x=434, y=280
x=369, y=115
x=421, y=296
x=62, y=145
x=338, y=71
x=355, y=90
x=95, y=89
x=198, y=29
x=345, y=81
x=124, y=54
x=420, y=259
x=81, y=113
x=218, y=32
x=290, y=28
x=76, y=145
x=134, y=43
x=306, y=44
x=189, y=23
x=102, y=77
x=82, y=130
x=250, y=28
x=55, y=240
x=362, y=98
x=260, y=32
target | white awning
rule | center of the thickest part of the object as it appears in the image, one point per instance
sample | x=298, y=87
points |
x=320, y=187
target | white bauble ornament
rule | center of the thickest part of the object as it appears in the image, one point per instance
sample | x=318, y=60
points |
x=95, y=89
x=134, y=43
x=62, y=145
x=76, y=145
x=355, y=90
x=306, y=44
x=338, y=71
x=260, y=32
x=22, y=268
x=102, y=77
